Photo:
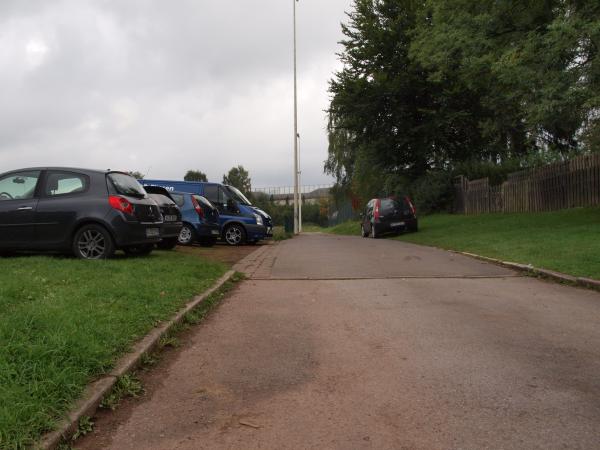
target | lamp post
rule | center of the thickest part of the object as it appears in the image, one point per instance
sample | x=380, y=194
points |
x=296, y=203
x=300, y=188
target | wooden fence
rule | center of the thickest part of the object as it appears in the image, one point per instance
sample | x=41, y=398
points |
x=556, y=186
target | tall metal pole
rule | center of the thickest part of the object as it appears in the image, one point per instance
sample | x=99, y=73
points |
x=300, y=187
x=296, y=218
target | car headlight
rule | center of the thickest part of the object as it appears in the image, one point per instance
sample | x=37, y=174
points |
x=259, y=219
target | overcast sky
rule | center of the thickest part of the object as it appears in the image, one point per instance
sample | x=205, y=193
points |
x=166, y=86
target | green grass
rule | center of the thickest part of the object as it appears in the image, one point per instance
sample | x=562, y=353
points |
x=279, y=234
x=313, y=228
x=567, y=241
x=64, y=322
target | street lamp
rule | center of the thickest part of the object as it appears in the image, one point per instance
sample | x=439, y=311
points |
x=296, y=203
x=300, y=188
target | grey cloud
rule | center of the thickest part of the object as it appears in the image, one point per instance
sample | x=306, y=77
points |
x=165, y=85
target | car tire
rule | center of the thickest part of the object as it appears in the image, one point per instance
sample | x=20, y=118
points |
x=187, y=235
x=414, y=228
x=374, y=234
x=363, y=233
x=167, y=244
x=93, y=242
x=208, y=242
x=234, y=234
x=139, y=250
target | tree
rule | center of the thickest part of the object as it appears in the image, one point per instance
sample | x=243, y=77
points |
x=433, y=86
x=238, y=177
x=195, y=175
x=137, y=175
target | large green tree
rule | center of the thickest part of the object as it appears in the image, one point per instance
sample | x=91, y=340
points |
x=430, y=85
x=195, y=175
x=239, y=177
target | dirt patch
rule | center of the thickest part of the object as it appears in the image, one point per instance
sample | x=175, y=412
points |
x=222, y=252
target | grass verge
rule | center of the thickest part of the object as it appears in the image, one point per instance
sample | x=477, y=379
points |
x=66, y=321
x=279, y=234
x=566, y=241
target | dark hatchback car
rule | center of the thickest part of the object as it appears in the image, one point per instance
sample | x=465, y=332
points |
x=388, y=215
x=200, y=219
x=88, y=212
x=171, y=216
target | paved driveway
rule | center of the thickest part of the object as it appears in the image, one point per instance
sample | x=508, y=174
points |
x=350, y=343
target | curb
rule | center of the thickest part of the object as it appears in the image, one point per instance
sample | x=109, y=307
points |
x=97, y=390
x=544, y=273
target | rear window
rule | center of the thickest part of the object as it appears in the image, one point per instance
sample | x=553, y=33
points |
x=388, y=206
x=179, y=200
x=126, y=185
x=161, y=199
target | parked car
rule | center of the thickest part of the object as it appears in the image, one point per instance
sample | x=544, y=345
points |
x=240, y=222
x=171, y=216
x=200, y=219
x=88, y=212
x=388, y=215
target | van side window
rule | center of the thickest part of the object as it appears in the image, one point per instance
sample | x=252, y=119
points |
x=211, y=192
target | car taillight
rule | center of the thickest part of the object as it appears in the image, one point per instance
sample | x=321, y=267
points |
x=413, y=210
x=376, y=213
x=120, y=204
x=197, y=207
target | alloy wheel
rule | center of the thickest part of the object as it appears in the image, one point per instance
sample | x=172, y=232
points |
x=185, y=235
x=234, y=235
x=92, y=244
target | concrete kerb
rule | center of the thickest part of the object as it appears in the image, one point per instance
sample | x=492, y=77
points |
x=95, y=392
x=531, y=270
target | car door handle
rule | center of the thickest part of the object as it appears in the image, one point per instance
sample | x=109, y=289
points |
x=25, y=208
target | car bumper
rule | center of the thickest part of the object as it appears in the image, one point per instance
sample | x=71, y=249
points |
x=170, y=230
x=208, y=230
x=135, y=233
x=257, y=232
x=395, y=226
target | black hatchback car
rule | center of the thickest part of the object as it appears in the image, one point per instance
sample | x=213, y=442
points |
x=171, y=216
x=91, y=213
x=388, y=215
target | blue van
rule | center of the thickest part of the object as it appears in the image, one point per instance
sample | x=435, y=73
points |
x=240, y=222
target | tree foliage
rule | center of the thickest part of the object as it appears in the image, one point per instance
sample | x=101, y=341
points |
x=239, y=177
x=429, y=86
x=195, y=175
x=137, y=175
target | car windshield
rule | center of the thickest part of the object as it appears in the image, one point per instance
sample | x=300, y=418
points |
x=238, y=196
x=126, y=184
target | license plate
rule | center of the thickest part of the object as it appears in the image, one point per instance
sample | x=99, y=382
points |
x=397, y=224
x=152, y=232
x=214, y=231
x=170, y=218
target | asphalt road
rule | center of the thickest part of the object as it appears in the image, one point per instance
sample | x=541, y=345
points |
x=350, y=343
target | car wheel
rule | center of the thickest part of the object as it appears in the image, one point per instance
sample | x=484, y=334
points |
x=374, y=234
x=167, y=244
x=363, y=233
x=234, y=234
x=93, y=242
x=187, y=236
x=208, y=242
x=139, y=250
